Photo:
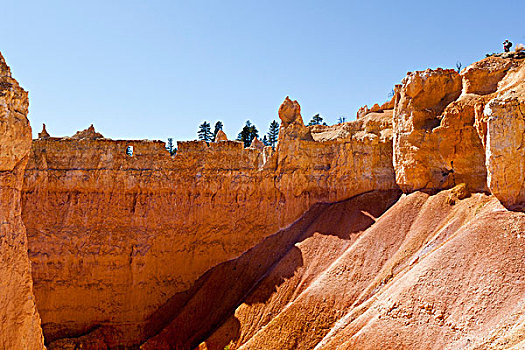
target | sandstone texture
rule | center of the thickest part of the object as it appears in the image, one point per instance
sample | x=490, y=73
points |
x=436, y=145
x=19, y=320
x=441, y=128
x=121, y=241
x=402, y=229
x=427, y=274
x=221, y=136
x=505, y=124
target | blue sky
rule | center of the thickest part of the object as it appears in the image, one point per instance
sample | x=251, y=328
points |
x=157, y=69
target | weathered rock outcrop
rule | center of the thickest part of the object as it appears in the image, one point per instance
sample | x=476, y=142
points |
x=425, y=275
x=440, y=127
x=19, y=320
x=292, y=125
x=504, y=122
x=88, y=134
x=43, y=134
x=131, y=248
x=221, y=136
x=435, y=142
x=120, y=241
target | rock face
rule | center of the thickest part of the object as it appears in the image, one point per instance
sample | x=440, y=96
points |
x=299, y=253
x=121, y=242
x=506, y=149
x=435, y=142
x=440, y=128
x=503, y=119
x=425, y=275
x=19, y=320
x=308, y=246
x=482, y=77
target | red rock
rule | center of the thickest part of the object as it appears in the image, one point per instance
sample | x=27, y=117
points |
x=293, y=248
x=88, y=134
x=19, y=319
x=221, y=136
x=43, y=134
x=292, y=125
x=426, y=274
x=436, y=144
x=125, y=239
x=257, y=144
x=482, y=77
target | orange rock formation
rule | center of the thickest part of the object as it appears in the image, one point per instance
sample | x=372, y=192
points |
x=308, y=246
x=426, y=274
x=221, y=136
x=19, y=320
x=125, y=238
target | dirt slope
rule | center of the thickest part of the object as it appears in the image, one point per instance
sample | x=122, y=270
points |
x=433, y=272
x=281, y=266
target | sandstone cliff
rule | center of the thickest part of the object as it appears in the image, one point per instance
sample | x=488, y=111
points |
x=292, y=248
x=451, y=128
x=19, y=320
x=119, y=241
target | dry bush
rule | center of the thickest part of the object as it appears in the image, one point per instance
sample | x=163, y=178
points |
x=519, y=48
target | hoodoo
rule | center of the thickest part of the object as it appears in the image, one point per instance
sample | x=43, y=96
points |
x=401, y=229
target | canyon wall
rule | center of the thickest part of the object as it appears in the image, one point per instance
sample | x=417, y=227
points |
x=435, y=271
x=131, y=246
x=118, y=241
x=19, y=320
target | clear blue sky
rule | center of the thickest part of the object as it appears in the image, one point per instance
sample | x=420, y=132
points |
x=157, y=69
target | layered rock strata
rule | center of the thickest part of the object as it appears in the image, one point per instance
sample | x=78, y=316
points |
x=119, y=241
x=19, y=320
x=129, y=245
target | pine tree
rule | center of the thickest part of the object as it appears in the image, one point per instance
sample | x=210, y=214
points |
x=218, y=126
x=316, y=120
x=248, y=133
x=273, y=133
x=170, y=147
x=265, y=141
x=204, y=132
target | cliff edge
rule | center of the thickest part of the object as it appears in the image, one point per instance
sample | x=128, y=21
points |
x=19, y=320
